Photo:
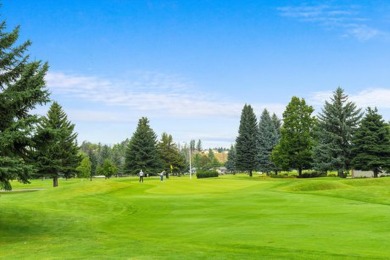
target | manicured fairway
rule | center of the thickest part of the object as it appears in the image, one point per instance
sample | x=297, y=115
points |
x=230, y=217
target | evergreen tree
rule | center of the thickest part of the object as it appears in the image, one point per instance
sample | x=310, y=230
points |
x=57, y=151
x=94, y=163
x=337, y=124
x=246, y=141
x=294, y=149
x=170, y=156
x=268, y=138
x=22, y=88
x=199, y=146
x=371, y=144
x=142, y=150
x=105, y=153
x=192, y=145
x=277, y=124
x=231, y=160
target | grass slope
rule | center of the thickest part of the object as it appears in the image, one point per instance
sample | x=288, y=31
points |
x=234, y=217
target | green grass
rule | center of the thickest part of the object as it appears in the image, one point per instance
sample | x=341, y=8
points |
x=230, y=217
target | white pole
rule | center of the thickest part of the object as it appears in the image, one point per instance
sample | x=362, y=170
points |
x=190, y=164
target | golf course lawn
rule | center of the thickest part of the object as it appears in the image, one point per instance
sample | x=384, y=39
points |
x=229, y=217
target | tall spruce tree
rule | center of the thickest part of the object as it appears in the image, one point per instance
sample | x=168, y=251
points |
x=267, y=140
x=57, y=150
x=142, y=153
x=22, y=88
x=199, y=145
x=337, y=124
x=371, y=144
x=294, y=150
x=246, y=141
x=231, y=160
x=171, y=158
x=277, y=123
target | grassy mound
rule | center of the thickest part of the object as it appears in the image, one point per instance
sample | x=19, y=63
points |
x=230, y=217
x=316, y=185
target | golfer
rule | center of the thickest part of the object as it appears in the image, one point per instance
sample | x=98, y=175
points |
x=141, y=176
x=162, y=175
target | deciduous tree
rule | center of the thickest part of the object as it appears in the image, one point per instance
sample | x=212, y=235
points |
x=84, y=169
x=294, y=150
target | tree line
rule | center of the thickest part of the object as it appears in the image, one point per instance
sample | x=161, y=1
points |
x=340, y=138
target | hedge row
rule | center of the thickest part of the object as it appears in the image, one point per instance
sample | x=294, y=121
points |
x=206, y=174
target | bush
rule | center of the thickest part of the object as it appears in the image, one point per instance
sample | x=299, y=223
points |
x=313, y=174
x=282, y=175
x=206, y=174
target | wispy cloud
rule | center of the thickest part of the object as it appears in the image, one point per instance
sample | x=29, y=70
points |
x=150, y=92
x=147, y=92
x=347, y=19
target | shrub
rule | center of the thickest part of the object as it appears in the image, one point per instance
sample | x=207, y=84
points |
x=313, y=174
x=206, y=174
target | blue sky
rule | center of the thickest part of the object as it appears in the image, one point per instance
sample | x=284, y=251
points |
x=190, y=66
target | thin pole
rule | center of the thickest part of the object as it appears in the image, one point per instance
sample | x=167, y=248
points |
x=190, y=164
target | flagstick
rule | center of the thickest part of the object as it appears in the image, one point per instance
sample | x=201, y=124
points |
x=190, y=164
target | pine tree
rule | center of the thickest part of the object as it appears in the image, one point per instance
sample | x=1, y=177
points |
x=371, y=144
x=94, y=163
x=231, y=160
x=199, y=146
x=192, y=145
x=277, y=124
x=169, y=154
x=337, y=124
x=267, y=140
x=57, y=151
x=22, y=88
x=142, y=150
x=246, y=141
x=294, y=150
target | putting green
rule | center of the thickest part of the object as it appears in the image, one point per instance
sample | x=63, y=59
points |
x=230, y=217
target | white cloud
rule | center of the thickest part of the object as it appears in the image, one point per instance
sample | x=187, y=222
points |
x=100, y=106
x=345, y=18
x=155, y=93
x=362, y=32
x=143, y=91
x=378, y=97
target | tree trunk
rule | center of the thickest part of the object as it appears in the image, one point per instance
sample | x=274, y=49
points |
x=250, y=173
x=55, y=181
x=299, y=172
x=341, y=174
x=376, y=172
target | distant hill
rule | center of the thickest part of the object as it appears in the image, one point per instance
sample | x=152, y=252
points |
x=220, y=156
